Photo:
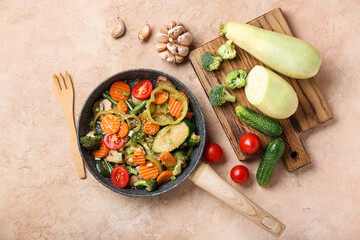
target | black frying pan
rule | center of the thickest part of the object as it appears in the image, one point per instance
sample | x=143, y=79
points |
x=132, y=75
x=198, y=172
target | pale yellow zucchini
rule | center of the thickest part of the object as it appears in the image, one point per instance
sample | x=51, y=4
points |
x=288, y=55
x=270, y=93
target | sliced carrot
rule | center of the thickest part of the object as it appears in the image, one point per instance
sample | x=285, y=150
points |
x=167, y=159
x=151, y=128
x=122, y=106
x=110, y=124
x=138, y=158
x=175, y=107
x=147, y=171
x=103, y=151
x=187, y=99
x=164, y=177
x=161, y=97
x=119, y=91
x=124, y=130
x=189, y=115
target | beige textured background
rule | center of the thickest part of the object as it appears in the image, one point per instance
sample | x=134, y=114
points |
x=40, y=194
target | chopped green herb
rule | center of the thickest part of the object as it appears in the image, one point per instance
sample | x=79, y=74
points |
x=149, y=164
x=130, y=151
x=91, y=123
x=97, y=109
x=136, y=82
x=173, y=178
x=170, y=142
x=126, y=94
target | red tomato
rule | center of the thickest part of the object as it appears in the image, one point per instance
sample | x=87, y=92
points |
x=113, y=141
x=119, y=176
x=142, y=90
x=239, y=174
x=213, y=153
x=249, y=143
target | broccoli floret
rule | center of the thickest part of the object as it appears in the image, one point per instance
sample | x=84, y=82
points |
x=177, y=170
x=219, y=95
x=180, y=155
x=131, y=170
x=138, y=137
x=150, y=184
x=90, y=142
x=194, y=140
x=209, y=62
x=227, y=51
x=236, y=78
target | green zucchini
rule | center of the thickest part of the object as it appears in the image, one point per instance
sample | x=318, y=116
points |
x=261, y=123
x=273, y=153
x=172, y=136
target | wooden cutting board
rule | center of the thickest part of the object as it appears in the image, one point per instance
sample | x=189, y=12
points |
x=313, y=109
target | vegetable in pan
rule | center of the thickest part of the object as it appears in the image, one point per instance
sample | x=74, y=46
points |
x=141, y=143
x=90, y=142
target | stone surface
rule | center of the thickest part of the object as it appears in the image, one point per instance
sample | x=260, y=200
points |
x=40, y=194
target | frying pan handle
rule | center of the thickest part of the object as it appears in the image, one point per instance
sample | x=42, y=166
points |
x=206, y=178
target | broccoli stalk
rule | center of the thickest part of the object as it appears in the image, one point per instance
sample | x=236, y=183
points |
x=138, y=137
x=90, y=142
x=236, y=78
x=209, y=62
x=150, y=184
x=131, y=170
x=227, y=51
x=219, y=95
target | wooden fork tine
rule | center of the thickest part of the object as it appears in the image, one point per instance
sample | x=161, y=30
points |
x=63, y=84
x=68, y=80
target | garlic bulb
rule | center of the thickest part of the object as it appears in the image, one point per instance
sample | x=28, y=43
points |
x=119, y=29
x=173, y=42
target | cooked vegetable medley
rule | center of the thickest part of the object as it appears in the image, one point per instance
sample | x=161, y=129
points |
x=141, y=137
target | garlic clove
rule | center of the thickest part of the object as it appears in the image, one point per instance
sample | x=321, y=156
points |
x=185, y=39
x=162, y=38
x=183, y=50
x=160, y=47
x=167, y=56
x=119, y=29
x=171, y=24
x=144, y=33
x=172, y=47
x=164, y=29
x=176, y=31
x=179, y=59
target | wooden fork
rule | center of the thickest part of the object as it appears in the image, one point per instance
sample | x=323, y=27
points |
x=65, y=94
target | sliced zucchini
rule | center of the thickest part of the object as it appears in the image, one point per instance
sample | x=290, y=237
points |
x=171, y=137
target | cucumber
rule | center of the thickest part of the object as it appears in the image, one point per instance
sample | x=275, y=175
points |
x=263, y=124
x=172, y=136
x=273, y=153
